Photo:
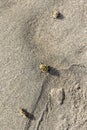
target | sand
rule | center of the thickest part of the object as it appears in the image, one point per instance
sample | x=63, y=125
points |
x=29, y=35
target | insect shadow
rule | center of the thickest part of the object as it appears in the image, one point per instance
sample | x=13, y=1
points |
x=53, y=71
x=60, y=16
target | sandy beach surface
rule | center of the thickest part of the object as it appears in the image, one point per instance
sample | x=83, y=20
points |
x=29, y=35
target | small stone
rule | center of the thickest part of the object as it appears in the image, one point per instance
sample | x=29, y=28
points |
x=23, y=112
x=26, y=114
x=56, y=14
x=58, y=95
x=43, y=67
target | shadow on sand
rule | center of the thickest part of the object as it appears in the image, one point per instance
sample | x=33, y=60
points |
x=60, y=16
x=53, y=71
